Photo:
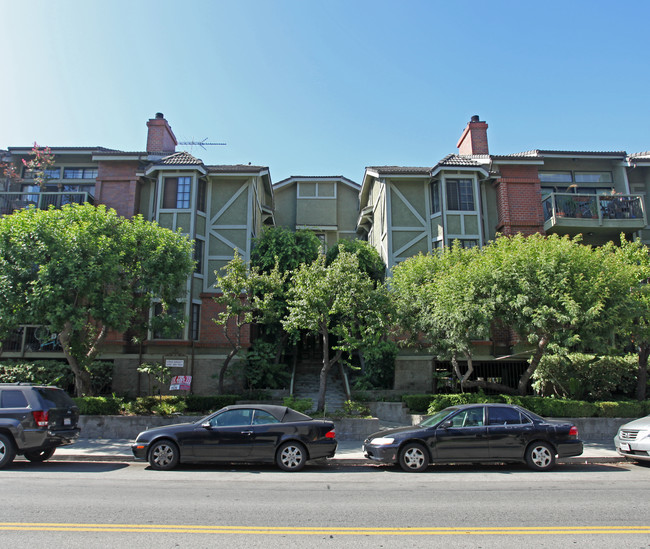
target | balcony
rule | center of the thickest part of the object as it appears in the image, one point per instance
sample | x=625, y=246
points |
x=568, y=213
x=12, y=201
x=30, y=339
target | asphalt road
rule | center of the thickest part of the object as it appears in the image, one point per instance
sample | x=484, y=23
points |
x=89, y=504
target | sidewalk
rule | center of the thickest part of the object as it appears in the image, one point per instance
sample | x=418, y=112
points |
x=348, y=452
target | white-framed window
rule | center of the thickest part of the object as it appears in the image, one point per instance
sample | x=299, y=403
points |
x=460, y=194
x=177, y=192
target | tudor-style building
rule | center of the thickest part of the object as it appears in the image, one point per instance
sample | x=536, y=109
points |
x=329, y=206
x=469, y=196
x=472, y=195
x=222, y=208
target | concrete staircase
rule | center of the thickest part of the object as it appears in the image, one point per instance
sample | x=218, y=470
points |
x=307, y=381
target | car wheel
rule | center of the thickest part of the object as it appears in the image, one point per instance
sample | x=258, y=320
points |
x=291, y=456
x=40, y=455
x=540, y=456
x=413, y=458
x=164, y=455
x=7, y=451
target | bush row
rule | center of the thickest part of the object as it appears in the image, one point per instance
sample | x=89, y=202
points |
x=547, y=407
x=164, y=406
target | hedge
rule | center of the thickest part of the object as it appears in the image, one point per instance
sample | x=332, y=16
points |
x=148, y=405
x=546, y=407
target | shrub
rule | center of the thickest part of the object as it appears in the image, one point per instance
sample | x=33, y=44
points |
x=302, y=405
x=585, y=377
x=99, y=406
x=378, y=368
x=418, y=404
x=261, y=370
x=208, y=404
x=621, y=409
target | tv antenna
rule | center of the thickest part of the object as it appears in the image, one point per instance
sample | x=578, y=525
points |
x=203, y=143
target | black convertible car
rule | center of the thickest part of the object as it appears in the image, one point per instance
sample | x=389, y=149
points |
x=476, y=433
x=244, y=433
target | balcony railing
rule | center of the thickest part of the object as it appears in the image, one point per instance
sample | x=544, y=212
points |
x=12, y=201
x=596, y=207
x=31, y=339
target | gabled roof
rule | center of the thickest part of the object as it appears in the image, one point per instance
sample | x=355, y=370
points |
x=236, y=168
x=179, y=159
x=296, y=178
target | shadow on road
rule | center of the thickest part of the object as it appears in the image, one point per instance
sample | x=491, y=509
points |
x=65, y=466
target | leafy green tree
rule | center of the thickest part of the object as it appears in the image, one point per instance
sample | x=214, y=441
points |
x=370, y=261
x=278, y=246
x=340, y=303
x=244, y=294
x=636, y=256
x=83, y=270
x=442, y=301
x=279, y=249
x=557, y=294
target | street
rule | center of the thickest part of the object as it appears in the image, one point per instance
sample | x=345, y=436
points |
x=92, y=504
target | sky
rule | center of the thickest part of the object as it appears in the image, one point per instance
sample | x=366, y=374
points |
x=326, y=87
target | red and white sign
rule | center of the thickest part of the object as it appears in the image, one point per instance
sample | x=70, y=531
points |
x=181, y=383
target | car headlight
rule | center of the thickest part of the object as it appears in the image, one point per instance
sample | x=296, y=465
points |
x=382, y=441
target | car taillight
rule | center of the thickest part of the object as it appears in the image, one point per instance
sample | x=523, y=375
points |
x=330, y=434
x=40, y=418
x=573, y=432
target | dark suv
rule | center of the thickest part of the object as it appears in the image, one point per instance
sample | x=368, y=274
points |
x=34, y=420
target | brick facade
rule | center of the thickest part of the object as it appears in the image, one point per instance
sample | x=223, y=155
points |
x=117, y=186
x=519, y=200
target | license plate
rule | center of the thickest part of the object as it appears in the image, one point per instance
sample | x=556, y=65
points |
x=625, y=447
x=67, y=421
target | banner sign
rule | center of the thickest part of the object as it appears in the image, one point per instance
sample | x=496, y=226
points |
x=181, y=383
x=175, y=363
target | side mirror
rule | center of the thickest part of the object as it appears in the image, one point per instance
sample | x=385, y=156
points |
x=447, y=424
x=206, y=425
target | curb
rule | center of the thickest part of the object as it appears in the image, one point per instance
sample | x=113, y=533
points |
x=579, y=460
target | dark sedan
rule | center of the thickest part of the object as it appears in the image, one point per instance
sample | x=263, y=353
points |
x=243, y=433
x=476, y=433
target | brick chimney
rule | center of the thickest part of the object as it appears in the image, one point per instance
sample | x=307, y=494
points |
x=160, y=137
x=474, y=138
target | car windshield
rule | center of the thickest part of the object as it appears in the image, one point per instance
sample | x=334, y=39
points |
x=437, y=417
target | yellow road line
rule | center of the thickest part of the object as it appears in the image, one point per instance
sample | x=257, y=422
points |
x=324, y=530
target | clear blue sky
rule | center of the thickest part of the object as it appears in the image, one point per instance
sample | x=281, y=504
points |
x=326, y=87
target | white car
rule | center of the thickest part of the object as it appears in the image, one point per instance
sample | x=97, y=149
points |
x=633, y=439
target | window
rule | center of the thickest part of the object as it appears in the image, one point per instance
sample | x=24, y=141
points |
x=464, y=242
x=593, y=177
x=435, y=197
x=177, y=192
x=196, y=321
x=169, y=325
x=198, y=255
x=472, y=417
x=79, y=173
x=460, y=194
x=232, y=418
x=505, y=416
x=555, y=177
x=52, y=173
x=13, y=399
x=200, y=198
x=263, y=418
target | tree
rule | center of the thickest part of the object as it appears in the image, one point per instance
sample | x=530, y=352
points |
x=281, y=250
x=370, y=261
x=244, y=293
x=441, y=299
x=636, y=256
x=278, y=246
x=557, y=293
x=340, y=303
x=83, y=270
